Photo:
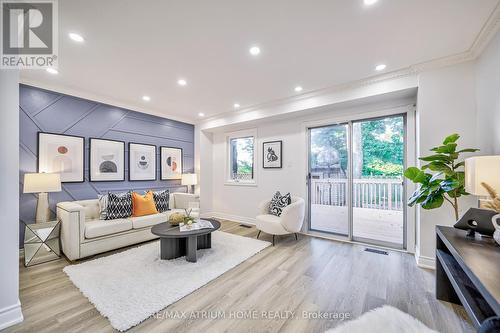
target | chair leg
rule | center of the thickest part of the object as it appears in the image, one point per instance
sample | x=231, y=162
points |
x=273, y=240
x=258, y=235
x=296, y=238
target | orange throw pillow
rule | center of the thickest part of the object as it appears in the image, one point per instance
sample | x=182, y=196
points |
x=143, y=205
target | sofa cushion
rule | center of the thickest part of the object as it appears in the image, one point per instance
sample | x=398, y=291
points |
x=139, y=222
x=98, y=228
x=90, y=208
x=182, y=200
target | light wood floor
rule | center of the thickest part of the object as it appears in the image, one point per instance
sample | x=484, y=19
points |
x=312, y=275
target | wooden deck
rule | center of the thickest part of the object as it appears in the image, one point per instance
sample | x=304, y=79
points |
x=375, y=224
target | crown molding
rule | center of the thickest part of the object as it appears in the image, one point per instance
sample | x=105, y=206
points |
x=393, y=75
x=80, y=93
x=487, y=32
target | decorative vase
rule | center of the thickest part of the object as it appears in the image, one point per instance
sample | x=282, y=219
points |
x=496, y=235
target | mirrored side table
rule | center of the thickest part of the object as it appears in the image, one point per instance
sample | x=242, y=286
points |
x=41, y=242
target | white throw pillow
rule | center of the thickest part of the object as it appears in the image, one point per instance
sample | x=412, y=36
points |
x=103, y=206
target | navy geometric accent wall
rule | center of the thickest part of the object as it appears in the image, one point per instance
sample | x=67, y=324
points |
x=47, y=111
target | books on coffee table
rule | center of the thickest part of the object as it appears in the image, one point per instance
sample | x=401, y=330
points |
x=200, y=224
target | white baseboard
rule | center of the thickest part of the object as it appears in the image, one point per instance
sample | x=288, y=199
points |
x=425, y=262
x=234, y=218
x=11, y=315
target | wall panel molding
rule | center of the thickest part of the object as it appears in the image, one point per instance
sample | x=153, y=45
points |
x=41, y=109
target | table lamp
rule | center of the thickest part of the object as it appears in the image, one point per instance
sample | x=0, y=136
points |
x=42, y=183
x=481, y=170
x=189, y=179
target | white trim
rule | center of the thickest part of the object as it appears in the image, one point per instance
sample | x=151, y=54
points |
x=421, y=261
x=487, y=32
x=411, y=157
x=341, y=239
x=11, y=315
x=425, y=262
x=229, y=217
x=318, y=93
x=241, y=182
x=400, y=107
x=489, y=29
x=77, y=92
x=369, y=112
x=314, y=100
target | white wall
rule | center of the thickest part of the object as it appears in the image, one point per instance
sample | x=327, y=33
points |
x=239, y=203
x=488, y=98
x=446, y=104
x=10, y=308
x=203, y=166
x=449, y=101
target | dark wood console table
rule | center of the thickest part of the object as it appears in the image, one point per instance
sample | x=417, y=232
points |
x=468, y=273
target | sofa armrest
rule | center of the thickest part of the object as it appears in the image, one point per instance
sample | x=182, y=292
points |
x=182, y=200
x=72, y=217
x=292, y=216
x=264, y=207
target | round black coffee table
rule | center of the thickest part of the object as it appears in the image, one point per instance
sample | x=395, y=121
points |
x=175, y=244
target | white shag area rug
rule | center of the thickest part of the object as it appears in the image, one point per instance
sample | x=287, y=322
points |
x=130, y=286
x=384, y=319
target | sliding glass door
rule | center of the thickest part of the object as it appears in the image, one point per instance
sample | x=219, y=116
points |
x=328, y=179
x=356, y=186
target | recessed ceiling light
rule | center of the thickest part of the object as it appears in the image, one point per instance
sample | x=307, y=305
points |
x=370, y=2
x=201, y=114
x=52, y=71
x=254, y=50
x=76, y=37
x=236, y=105
x=298, y=89
x=380, y=67
x=146, y=98
x=181, y=82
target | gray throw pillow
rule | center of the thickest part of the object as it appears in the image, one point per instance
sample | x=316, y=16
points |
x=119, y=205
x=103, y=206
x=161, y=200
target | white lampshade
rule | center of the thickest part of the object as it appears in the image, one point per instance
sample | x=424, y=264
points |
x=189, y=179
x=42, y=182
x=482, y=169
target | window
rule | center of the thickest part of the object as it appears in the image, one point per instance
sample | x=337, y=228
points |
x=241, y=159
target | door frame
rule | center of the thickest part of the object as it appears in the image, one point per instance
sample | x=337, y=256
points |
x=349, y=173
x=409, y=110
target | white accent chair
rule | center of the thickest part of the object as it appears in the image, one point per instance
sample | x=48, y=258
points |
x=290, y=221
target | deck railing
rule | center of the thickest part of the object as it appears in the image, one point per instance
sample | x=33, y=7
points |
x=376, y=193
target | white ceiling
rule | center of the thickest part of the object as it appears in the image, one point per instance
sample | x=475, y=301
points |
x=136, y=48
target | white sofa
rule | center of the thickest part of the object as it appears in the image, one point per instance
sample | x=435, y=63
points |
x=83, y=234
x=290, y=221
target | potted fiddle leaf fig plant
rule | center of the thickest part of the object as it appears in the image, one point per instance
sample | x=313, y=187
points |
x=448, y=181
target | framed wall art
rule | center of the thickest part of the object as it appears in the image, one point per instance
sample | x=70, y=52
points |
x=63, y=154
x=106, y=160
x=171, y=163
x=141, y=161
x=272, y=154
